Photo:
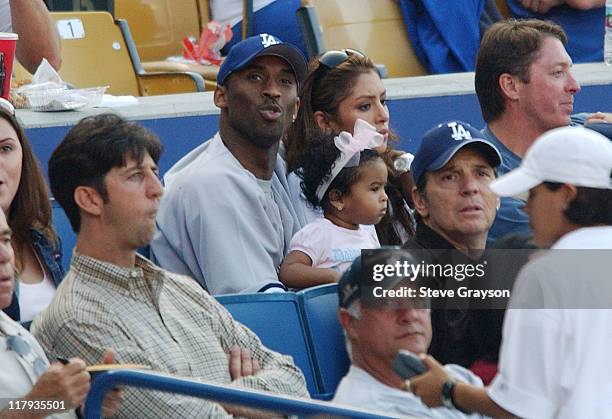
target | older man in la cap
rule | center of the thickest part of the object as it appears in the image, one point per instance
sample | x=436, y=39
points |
x=227, y=219
x=554, y=360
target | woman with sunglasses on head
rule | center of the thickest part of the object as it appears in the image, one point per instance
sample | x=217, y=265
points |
x=25, y=201
x=341, y=87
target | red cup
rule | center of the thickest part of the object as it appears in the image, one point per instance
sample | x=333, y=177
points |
x=8, y=42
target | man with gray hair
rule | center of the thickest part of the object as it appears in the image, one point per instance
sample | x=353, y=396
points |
x=375, y=331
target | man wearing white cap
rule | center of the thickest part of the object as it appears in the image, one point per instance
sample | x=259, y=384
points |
x=554, y=361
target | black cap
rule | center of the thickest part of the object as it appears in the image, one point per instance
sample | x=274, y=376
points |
x=357, y=282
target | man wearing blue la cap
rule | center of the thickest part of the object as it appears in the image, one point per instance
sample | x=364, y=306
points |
x=455, y=208
x=263, y=44
x=226, y=218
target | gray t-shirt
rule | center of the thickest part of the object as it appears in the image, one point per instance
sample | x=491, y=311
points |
x=221, y=225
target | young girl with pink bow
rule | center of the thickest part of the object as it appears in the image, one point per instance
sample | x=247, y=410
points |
x=346, y=177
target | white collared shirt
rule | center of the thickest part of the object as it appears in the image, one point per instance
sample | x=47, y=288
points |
x=554, y=360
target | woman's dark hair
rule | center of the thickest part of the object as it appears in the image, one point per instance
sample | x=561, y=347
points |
x=323, y=89
x=590, y=207
x=30, y=207
x=318, y=161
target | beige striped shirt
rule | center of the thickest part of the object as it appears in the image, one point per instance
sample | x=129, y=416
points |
x=167, y=321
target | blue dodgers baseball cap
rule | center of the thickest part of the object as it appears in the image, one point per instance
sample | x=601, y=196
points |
x=442, y=142
x=245, y=51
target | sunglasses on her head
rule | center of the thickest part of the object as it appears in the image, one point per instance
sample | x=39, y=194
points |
x=332, y=59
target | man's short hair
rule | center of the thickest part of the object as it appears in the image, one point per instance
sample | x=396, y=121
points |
x=509, y=46
x=590, y=207
x=90, y=150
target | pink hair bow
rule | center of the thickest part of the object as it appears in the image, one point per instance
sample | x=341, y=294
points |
x=365, y=137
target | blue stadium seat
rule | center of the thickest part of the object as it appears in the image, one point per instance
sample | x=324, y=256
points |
x=275, y=318
x=145, y=251
x=319, y=307
x=64, y=231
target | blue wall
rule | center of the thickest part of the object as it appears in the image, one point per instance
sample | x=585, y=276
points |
x=178, y=135
x=410, y=118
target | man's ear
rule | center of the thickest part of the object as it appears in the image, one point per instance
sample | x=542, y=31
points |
x=297, y=108
x=510, y=86
x=348, y=323
x=220, y=97
x=88, y=200
x=420, y=203
x=570, y=192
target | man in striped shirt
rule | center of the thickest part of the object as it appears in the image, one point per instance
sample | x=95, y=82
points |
x=104, y=174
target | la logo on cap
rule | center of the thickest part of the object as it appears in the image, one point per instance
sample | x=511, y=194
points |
x=268, y=40
x=459, y=132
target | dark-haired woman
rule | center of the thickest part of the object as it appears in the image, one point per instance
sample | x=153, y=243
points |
x=25, y=201
x=341, y=87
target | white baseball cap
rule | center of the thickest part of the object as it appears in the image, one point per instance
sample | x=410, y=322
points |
x=573, y=155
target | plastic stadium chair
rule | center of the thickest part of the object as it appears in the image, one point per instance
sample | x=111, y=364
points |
x=68, y=5
x=375, y=27
x=223, y=394
x=503, y=8
x=99, y=55
x=159, y=26
x=64, y=231
x=275, y=319
x=319, y=307
x=204, y=10
x=311, y=31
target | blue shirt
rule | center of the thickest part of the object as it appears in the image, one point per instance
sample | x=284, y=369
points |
x=510, y=217
x=51, y=256
x=584, y=28
x=444, y=42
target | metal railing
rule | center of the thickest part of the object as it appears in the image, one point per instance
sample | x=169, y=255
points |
x=213, y=392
